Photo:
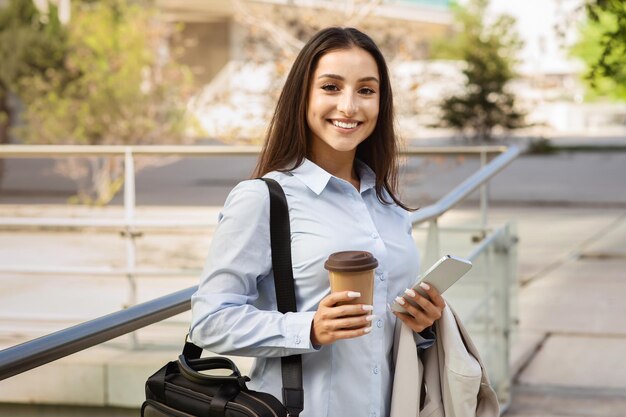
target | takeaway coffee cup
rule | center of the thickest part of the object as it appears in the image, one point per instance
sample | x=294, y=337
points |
x=352, y=271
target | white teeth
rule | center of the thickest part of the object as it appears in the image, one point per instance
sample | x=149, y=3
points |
x=345, y=125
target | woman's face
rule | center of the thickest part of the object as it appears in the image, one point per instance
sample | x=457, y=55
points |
x=343, y=101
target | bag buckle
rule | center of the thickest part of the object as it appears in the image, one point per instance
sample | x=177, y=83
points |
x=241, y=380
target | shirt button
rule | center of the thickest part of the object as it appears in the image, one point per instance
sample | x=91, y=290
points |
x=383, y=276
x=379, y=324
x=297, y=340
x=376, y=370
x=374, y=235
x=372, y=414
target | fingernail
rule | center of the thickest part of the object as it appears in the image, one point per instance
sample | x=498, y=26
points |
x=353, y=294
x=367, y=330
x=425, y=286
x=367, y=307
x=400, y=300
x=409, y=292
x=370, y=317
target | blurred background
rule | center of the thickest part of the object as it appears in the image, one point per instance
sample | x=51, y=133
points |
x=124, y=124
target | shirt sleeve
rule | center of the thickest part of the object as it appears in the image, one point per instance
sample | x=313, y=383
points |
x=224, y=317
x=426, y=338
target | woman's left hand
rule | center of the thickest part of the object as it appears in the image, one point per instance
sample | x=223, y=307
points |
x=429, y=311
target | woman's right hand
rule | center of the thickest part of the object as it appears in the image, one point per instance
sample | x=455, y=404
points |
x=333, y=322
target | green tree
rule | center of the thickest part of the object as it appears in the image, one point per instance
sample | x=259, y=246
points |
x=489, y=54
x=602, y=47
x=30, y=44
x=117, y=85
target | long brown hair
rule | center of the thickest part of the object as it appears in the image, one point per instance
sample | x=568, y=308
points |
x=286, y=143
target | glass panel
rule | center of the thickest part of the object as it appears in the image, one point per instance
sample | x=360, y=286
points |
x=484, y=297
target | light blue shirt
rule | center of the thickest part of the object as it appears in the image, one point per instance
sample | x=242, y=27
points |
x=234, y=310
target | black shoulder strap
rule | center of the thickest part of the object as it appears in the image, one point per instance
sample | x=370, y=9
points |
x=280, y=240
x=280, y=237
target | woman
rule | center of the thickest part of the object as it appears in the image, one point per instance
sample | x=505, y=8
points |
x=332, y=147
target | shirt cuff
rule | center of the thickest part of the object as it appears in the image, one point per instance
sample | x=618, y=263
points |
x=426, y=338
x=298, y=331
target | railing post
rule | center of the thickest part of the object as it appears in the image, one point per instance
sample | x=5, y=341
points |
x=129, y=233
x=503, y=265
x=432, y=245
x=512, y=238
x=484, y=195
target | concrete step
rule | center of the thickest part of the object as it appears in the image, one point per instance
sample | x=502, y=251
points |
x=553, y=401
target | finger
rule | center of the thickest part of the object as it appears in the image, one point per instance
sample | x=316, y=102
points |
x=350, y=323
x=429, y=308
x=337, y=297
x=413, y=312
x=348, y=310
x=434, y=295
x=351, y=334
x=409, y=321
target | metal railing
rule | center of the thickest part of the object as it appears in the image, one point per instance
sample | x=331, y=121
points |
x=477, y=181
x=130, y=226
x=483, y=297
x=495, y=248
x=37, y=352
x=129, y=221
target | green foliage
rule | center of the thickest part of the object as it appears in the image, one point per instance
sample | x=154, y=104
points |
x=115, y=87
x=489, y=53
x=111, y=80
x=602, y=47
x=30, y=44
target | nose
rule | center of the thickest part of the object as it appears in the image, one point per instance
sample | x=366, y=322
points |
x=347, y=104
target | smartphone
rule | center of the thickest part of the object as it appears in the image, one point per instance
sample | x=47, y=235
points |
x=445, y=272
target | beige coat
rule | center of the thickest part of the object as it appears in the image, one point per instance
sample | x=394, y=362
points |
x=455, y=378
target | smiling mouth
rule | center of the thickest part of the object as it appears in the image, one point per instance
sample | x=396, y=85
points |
x=344, y=125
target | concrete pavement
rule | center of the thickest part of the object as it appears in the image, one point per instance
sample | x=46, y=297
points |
x=568, y=355
x=573, y=284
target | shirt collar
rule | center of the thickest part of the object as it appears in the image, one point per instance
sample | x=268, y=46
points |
x=316, y=178
x=312, y=176
x=366, y=175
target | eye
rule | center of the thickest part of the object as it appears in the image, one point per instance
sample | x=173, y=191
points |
x=367, y=91
x=330, y=87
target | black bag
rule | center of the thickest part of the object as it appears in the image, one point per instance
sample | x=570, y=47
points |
x=179, y=389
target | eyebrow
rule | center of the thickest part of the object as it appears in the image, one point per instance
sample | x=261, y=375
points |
x=340, y=78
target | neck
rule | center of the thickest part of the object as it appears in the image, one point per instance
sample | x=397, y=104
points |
x=341, y=165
